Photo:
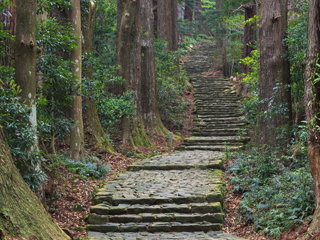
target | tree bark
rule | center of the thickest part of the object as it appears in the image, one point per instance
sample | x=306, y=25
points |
x=274, y=71
x=21, y=213
x=248, y=39
x=8, y=17
x=129, y=60
x=161, y=19
x=76, y=135
x=93, y=129
x=311, y=102
x=175, y=36
x=188, y=10
x=181, y=9
x=197, y=10
x=25, y=69
x=169, y=23
x=149, y=95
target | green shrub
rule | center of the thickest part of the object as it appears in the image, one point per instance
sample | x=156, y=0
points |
x=278, y=190
x=14, y=118
x=90, y=166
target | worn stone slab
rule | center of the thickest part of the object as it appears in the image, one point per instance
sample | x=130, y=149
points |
x=162, y=236
x=155, y=227
x=155, y=187
x=180, y=161
x=147, y=211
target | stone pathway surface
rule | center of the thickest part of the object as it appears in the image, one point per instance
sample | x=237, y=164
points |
x=177, y=195
x=217, y=106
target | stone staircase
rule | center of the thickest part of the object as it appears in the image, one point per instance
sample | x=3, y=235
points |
x=173, y=196
x=176, y=195
x=217, y=107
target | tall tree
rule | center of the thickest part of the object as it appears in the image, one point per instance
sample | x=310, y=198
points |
x=274, y=75
x=77, y=135
x=188, y=10
x=175, y=36
x=248, y=39
x=149, y=96
x=167, y=22
x=8, y=16
x=21, y=213
x=312, y=108
x=161, y=19
x=128, y=60
x=25, y=68
x=93, y=128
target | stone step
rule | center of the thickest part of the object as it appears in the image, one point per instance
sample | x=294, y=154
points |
x=214, y=120
x=156, y=217
x=214, y=111
x=219, y=148
x=180, y=161
x=158, y=187
x=124, y=209
x=155, y=227
x=219, y=107
x=221, y=115
x=214, y=140
x=215, y=132
x=211, y=235
x=226, y=124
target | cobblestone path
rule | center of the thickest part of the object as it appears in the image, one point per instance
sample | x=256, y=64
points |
x=177, y=195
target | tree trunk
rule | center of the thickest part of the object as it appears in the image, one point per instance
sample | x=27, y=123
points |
x=169, y=23
x=312, y=108
x=77, y=135
x=21, y=213
x=155, y=18
x=197, y=10
x=181, y=7
x=8, y=17
x=174, y=19
x=149, y=95
x=25, y=69
x=274, y=72
x=161, y=19
x=250, y=12
x=129, y=59
x=188, y=10
x=93, y=128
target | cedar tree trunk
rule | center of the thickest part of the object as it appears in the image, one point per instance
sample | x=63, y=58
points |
x=274, y=70
x=149, y=96
x=129, y=59
x=174, y=19
x=250, y=12
x=93, y=129
x=188, y=10
x=8, y=17
x=21, y=213
x=312, y=108
x=25, y=68
x=77, y=135
x=161, y=19
x=169, y=23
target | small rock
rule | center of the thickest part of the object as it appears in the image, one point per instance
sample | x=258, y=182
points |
x=77, y=207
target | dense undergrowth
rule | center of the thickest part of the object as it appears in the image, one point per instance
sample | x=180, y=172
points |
x=278, y=191
x=276, y=184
